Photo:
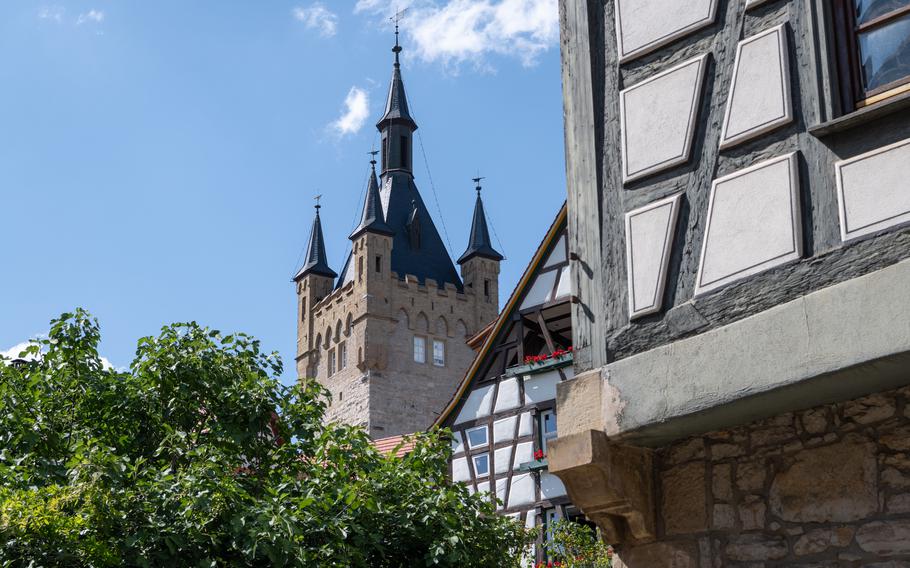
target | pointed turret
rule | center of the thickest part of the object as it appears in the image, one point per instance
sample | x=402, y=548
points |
x=479, y=242
x=396, y=106
x=372, y=220
x=316, y=261
x=396, y=125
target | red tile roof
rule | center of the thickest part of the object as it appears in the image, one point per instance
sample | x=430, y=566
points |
x=386, y=445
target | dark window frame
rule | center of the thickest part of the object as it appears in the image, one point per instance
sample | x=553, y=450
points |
x=852, y=91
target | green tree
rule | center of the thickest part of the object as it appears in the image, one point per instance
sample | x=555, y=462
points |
x=198, y=456
x=575, y=545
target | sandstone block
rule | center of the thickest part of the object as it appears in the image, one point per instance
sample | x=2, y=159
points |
x=819, y=540
x=815, y=421
x=750, y=476
x=869, y=409
x=897, y=439
x=756, y=547
x=723, y=451
x=684, y=503
x=835, y=483
x=724, y=516
x=721, y=482
x=752, y=515
x=898, y=503
x=885, y=537
x=658, y=555
x=772, y=435
x=687, y=451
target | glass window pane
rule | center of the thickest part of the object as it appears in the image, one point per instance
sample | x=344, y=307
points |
x=482, y=465
x=868, y=10
x=885, y=53
x=477, y=437
x=549, y=423
x=439, y=353
x=420, y=350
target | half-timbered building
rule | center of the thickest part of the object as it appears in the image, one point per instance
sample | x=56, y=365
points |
x=503, y=414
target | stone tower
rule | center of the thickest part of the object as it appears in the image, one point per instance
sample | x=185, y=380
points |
x=387, y=338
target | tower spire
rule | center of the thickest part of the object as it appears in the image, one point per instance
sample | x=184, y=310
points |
x=316, y=261
x=372, y=219
x=396, y=108
x=479, y=242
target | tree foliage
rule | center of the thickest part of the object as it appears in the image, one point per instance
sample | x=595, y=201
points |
x=575, y=545
x=198, y=456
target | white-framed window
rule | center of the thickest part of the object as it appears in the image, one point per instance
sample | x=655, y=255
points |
x=332, y=362
x=478, y=437
x=481, y=465
x=420, y=349
x=342, y=356
x=547, y=428
x=439, y=353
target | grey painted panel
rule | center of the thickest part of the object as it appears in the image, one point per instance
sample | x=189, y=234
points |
x=658, y=118
x=759, y=99
x=649, y=240
x=645, y=25
x=754, y=223
x=873, y=190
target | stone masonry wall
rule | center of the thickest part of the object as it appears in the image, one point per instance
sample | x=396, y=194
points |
x=829, y=486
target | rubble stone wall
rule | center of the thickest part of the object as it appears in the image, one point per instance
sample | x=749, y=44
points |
x=829, y=486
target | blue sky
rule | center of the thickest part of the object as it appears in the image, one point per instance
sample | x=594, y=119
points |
x=158, y=160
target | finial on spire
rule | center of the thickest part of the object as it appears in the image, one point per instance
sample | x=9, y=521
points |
x=477, y=183
x=318, y=198
x=373, y=153
x=397, y=19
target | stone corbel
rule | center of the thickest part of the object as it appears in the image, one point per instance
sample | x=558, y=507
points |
x=611, y=483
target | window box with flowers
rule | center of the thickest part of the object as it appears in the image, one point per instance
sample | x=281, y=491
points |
x=539, y=363
x=538, y=464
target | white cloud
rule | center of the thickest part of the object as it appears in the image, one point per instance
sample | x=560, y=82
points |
x=317, y=17
x=92, y=16
x=356, y=111
x=467, y=30
x=54, y=13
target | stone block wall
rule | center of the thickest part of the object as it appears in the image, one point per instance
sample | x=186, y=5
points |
x=829, y=486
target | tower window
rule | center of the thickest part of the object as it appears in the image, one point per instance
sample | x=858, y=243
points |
x=420, y=349
x=359, y=268
x=332, y=366
x=342, y=356
x=439, y=353
x=404, y=152
x=486, y=288
x=378, y=260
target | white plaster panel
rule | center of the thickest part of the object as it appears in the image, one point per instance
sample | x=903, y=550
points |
x=460, y=471
x=645, y=25
x=754, y=3
x=559, y=253
x=478, y=405
x=753, y=223
x=525, y=426
x=759, y=99
x=541, y=290
x=873, y=190
x=649, y=241
x=509, y=396
x=569, y=372
x=503, y=459
x=524, y=453
x=542, y=387
x=501, y=485
x=457, y=442
x=564, y=288
x=483, y=487
x=522, y=491
x=531, y=519
x=504, y=429
x=551, y=486
x=658, y=119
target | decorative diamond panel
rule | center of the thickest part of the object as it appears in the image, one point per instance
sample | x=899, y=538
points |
x=872, y=190
x=657, y=117
x=649, y=240
x=753, y=223
x=645, y=25
x=759, y=99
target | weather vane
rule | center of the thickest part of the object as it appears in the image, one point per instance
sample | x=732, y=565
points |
x=397, y=19
x=318, y=198
x=477, y=182
x=373, y=154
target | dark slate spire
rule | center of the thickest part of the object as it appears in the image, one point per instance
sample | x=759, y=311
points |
x=316, y=262
x=479, y=243
x=396, y=107
x=372, y=220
